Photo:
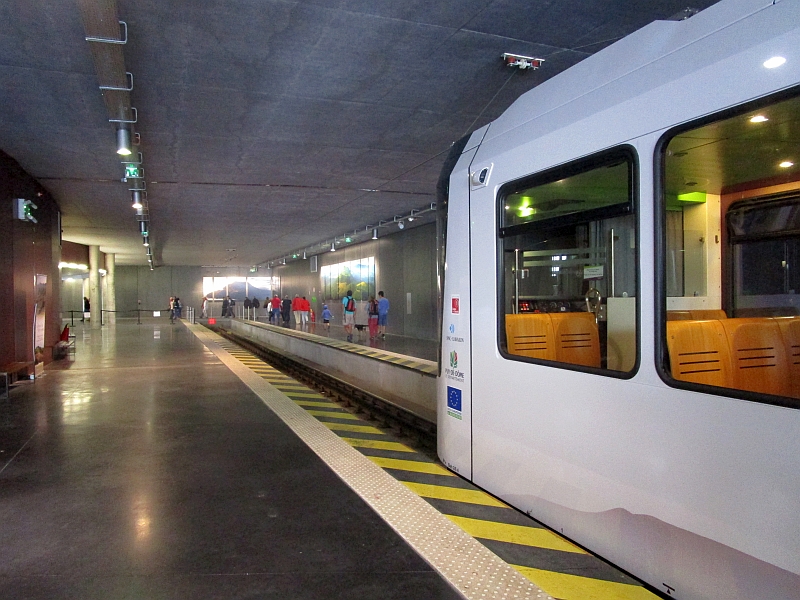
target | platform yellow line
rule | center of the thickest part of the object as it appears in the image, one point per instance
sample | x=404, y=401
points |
x=575, y=587
x=333, y=415
x=441, y=492
x=349, y=427
x=292, y=394
x=514, y=534
x=415, y=466
x=312, y=403
x=377, y=444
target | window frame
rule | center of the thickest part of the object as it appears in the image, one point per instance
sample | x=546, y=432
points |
x=584, y=164
x=660, y=350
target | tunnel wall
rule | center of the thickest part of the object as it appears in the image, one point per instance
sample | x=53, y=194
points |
x=28, y=249
x=405, y=264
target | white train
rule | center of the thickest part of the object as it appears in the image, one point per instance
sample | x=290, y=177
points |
x=621, y=339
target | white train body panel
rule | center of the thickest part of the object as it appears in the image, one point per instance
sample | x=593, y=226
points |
x=697, y=494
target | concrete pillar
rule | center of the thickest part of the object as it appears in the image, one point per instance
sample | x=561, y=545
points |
x=110, y=293
x=94, y=285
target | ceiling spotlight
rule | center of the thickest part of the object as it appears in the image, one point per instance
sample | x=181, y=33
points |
x=774, y=62
x=758, y=119
x=375, y=234
x=333, y=246
x=123, y=141
x=401, y=224
x=146, y=241
x=786, y=164
x=137, y=199
x=304, y=255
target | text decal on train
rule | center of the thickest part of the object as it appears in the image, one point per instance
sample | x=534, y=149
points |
x=454, y=402
x=455, y=305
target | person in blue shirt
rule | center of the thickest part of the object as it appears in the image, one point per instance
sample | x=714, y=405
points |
x=326, y=317
x=383, y=314
x=349, y=307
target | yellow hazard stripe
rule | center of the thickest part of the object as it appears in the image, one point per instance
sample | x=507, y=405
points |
x=349, y=427
x=441, y=492
x=514, y=534
x=293, y=394
x=317, y=404
x=333, y=414
x=377, y=444
x=575, y=587
x=416, y=466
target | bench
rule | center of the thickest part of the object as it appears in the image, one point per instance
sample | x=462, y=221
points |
x=13, y=368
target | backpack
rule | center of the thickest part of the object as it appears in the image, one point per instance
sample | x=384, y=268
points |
x=351, y=304
x=256, y=303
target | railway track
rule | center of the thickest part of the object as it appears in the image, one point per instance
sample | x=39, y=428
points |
x=384, y=413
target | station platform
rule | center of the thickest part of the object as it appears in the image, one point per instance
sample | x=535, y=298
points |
x=166, y=462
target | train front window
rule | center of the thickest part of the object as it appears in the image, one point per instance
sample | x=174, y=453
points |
x=731, y=261
x=568, y=247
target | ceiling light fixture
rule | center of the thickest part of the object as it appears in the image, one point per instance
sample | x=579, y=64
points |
x=786, y=164
x=333, y=246
x=123, y=141
x=774, y=62
x=304, y=255
x=146, y=241
x=375, y=234
x=137, y=199
x=758, y=119
x=401, y=224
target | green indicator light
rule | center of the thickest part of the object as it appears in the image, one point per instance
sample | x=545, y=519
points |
x=348, y=240
x=692, y=197
x=132, y=171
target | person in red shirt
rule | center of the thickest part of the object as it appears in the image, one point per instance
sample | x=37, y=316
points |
x=275, y=318
x=305, y=306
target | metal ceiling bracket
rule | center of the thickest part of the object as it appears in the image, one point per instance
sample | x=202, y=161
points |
x=523, y=62
x=135, y=118
x=124, y=39
x=121, y=89
x=133, y=162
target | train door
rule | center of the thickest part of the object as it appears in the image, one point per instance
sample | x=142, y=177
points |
x=454, y=402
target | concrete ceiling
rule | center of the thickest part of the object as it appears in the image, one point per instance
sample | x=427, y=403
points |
x=268, y=125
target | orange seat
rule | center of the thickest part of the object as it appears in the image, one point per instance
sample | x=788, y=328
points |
x=530, y=335
x=679, y=315
x=758, y=355
x=577, y=340
x=698, y=352
x=790, y=332
x=708, y=313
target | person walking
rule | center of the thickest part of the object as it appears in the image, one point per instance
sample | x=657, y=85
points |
x=296, y=310
x=275, y=303
x=224, y=312
x=372, y=311
x=383, y=313
x=305, y=306
x=231, y=304
x=247, y=306
x=204, y=308
x=349, y=308
x=286, y=311
x=256, y=305
x=178, y=308
x=327, y=317
x=172, y=309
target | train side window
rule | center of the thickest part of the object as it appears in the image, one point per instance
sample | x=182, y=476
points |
x=568, y=250
x=730, y=265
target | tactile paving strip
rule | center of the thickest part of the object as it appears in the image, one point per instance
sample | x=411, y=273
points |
x=466, y=564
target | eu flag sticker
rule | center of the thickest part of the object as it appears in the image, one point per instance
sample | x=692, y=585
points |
x=454, y=402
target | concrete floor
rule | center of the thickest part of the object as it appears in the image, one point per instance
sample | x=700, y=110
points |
x=145, y=469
